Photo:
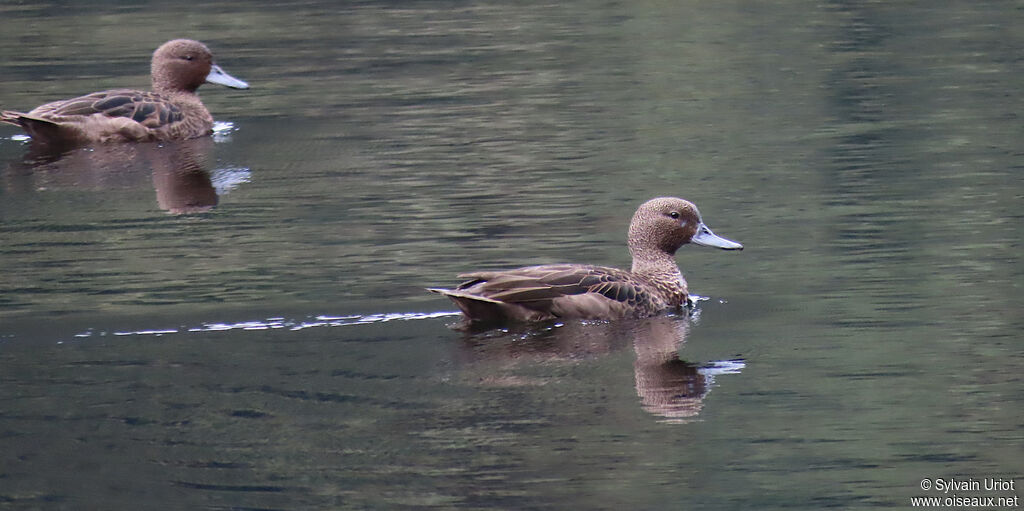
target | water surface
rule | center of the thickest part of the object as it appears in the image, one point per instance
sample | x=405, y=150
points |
x=240, y=322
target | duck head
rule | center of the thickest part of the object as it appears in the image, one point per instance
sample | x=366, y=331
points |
x=182, y=65
x=662, y=225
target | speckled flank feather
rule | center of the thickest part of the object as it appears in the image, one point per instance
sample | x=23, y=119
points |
x=544, y=292
x=172, y=112
x=554, y=291
x=116, y=116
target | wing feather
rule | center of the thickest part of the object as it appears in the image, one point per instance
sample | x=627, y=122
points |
x=150, y=109
x=581, y=291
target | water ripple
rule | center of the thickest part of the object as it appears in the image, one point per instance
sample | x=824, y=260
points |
x=279, y=323
x=222, y=131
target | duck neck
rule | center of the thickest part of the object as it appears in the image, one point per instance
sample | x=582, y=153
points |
x=172, y=89
x=660, y=271
x=658, y=265
x=170, y=80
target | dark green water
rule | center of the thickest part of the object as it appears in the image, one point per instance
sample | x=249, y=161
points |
x=240, y=322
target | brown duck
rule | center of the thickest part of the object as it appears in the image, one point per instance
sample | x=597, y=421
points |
x=172, y=111
x=654, y=284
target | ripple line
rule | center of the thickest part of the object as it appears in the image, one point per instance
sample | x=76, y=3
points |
x=320, y=321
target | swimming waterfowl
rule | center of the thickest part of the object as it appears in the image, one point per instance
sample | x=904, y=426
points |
x=172, y=111
x=537, y=293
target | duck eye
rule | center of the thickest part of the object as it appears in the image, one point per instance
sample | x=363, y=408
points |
x=674, y=214
x=188, y=57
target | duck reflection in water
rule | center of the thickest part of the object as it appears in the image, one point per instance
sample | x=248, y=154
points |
x=667, y=387
x=177, y=170
x=181, y=179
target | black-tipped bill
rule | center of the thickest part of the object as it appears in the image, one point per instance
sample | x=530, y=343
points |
x=707, y=238
x=218, y=76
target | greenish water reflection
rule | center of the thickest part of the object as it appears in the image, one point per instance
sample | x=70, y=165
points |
x=866, y=155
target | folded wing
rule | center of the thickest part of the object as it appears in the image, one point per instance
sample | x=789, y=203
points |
x=553, y=291
x=147, y=108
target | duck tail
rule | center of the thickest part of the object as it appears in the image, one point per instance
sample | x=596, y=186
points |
x=41, y=130
x=474, y=307
x=11, y=117
x=480, y=309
